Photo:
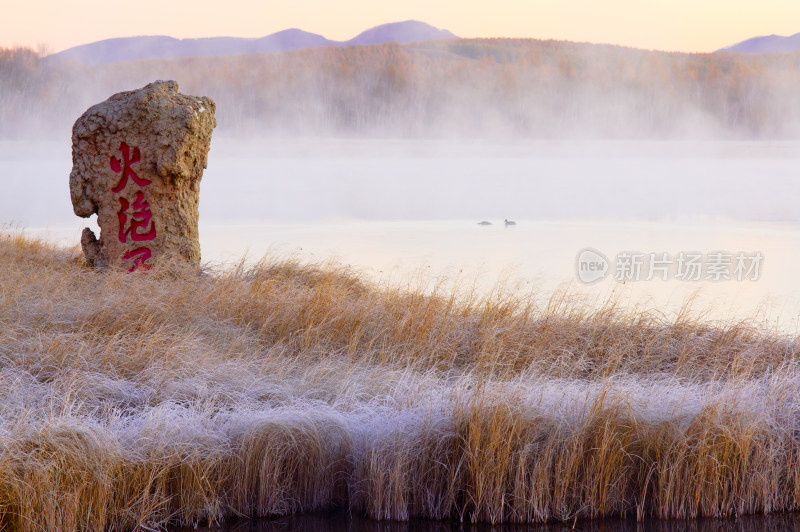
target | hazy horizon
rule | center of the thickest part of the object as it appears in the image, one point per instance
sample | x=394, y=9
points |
x=684, y=25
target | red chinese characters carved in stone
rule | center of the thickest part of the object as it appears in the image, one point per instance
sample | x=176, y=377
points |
x=140, y=219
x=139, y=257
x=128, y=159
x=135, y=220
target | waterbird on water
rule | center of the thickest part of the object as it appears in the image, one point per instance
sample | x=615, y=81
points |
x=484, y=223
x=510, y=222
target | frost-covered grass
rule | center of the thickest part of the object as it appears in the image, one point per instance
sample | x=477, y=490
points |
x=178, y=396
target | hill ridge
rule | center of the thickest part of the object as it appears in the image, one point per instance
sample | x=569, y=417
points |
x=133, y=48
x=766, y=44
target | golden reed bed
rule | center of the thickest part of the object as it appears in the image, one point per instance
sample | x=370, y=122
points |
x=182, y=397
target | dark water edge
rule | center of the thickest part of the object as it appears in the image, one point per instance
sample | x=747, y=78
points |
x=343, y=521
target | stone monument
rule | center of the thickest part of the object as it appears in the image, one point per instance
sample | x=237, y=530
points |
x=137, y=161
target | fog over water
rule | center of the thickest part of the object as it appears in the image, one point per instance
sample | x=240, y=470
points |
x=407, y=210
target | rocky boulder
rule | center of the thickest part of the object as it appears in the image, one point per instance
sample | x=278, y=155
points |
x=137, y=162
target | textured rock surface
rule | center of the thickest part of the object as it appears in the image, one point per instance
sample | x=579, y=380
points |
x=137, y=161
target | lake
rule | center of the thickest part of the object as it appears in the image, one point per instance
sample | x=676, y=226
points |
x=407, y=211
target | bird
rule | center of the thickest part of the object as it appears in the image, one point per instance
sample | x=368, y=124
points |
x=484, y=223
x=510, y=222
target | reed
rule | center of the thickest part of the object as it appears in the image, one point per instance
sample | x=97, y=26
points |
x=184, y=396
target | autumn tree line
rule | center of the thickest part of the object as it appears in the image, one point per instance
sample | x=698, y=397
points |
x=465, y=87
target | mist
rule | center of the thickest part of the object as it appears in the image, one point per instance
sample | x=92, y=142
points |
x=318, y=180
x=466, y=88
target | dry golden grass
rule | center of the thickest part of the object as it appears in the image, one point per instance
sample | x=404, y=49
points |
x=181, y=396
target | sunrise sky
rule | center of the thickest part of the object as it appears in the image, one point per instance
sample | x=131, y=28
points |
x=682, y=25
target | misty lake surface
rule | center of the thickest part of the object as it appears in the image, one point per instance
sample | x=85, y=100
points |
x=407, y=211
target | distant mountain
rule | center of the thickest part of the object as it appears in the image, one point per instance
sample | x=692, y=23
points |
x=286, y=40
x=400, y=32
x=162, y=47
x=766, y=44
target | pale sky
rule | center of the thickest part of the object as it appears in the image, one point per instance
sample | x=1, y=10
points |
x=682, y=25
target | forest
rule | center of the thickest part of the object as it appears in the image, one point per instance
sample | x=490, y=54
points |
x=455, y=88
